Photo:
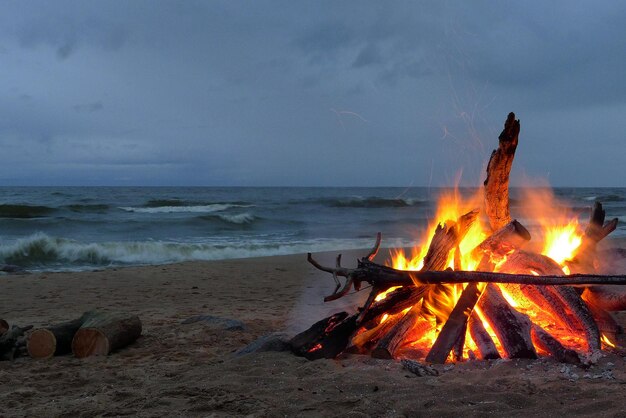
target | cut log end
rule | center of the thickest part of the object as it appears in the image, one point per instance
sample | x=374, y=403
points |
x=41, y=344
x=90, y=342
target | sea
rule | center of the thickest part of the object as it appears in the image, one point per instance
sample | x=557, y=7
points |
x=88, y=228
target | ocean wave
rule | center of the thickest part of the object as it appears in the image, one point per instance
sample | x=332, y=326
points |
x=215, y=207
x=366, y=202
x=606, y=198
x=155, y=203
x=24, y=211
x=41, y=252
x=97, y=208
x=245, y=218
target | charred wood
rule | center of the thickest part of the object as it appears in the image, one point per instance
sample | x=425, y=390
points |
x=511, y=327
x=389, y=344
x=4, y=326
x=456, y=325
x=498, y=171
x=326, y=338
x=486, y=347
x=549, y=344
x=510, y=237
x=395, y=302
x=609, y=298
x=606, y=323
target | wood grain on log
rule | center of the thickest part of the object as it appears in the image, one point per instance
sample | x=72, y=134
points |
x=609, y=298
x=546, y=342
x=486, y=347
x=389, y=344
x=455, y=326
x=511, y=327
x=54, y=340
x=498, y=171
x=103, y=333
x=395, y=302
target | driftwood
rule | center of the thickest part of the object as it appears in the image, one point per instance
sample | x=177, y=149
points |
x=12, y=341
x=389, y=344
x=548, y=343
x=511, y=327
x=456, y=325
x=395, y=302
x=510, y=237
x=326, y=338
x=386, y=277
x=498, y=171
x=562, y=295
x=609, y=298
x=102, y=333
x=606, y=323
x=54, y=340
x=486, y=347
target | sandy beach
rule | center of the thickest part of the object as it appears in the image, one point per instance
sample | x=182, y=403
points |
x=179, y=369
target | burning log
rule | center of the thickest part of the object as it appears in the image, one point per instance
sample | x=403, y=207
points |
x=386, y=277
x=596, y=231
x=455, y=326
x=609, y=298
x=510, y=237
x=549, y=344
x=606, y=324
x=446, y=238
x=368, y=338
x=568, y=297
x=389, y=344
x=395, y=302
x=326, y=338
x=511, y=327
x=486, y=347
x=54, y=340
x=102, y=333
x=498, y=170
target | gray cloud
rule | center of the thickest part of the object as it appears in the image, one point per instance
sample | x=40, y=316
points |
x=234, y=93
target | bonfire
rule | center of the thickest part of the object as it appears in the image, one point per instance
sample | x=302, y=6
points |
x=479, y=287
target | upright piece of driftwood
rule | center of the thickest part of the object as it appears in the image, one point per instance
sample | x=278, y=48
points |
x=103, y=333
x=54, y=340
x=498, y=171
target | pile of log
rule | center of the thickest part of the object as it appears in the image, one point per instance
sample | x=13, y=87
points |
x=388, y=327
x=92, y=334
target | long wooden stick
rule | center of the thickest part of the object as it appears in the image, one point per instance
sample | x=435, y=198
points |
x=386, y=277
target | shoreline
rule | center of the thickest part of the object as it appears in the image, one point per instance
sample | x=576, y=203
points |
x=192, y=370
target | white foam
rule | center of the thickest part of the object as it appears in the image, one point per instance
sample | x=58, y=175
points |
x=43, y=252
x=239, y=219
x=216, y=207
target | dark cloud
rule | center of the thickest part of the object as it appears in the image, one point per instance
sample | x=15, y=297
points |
x=234, y=93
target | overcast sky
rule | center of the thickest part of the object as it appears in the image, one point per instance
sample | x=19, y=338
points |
x=318, y=93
